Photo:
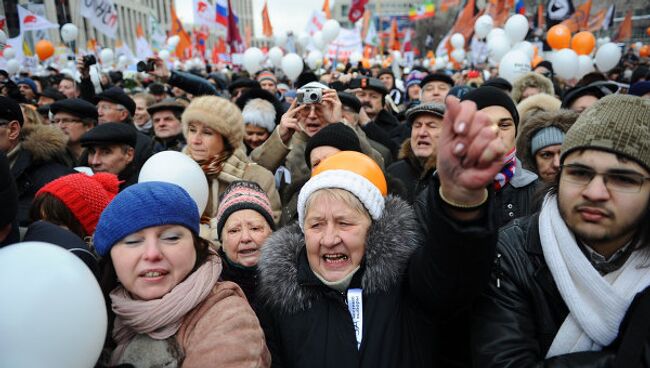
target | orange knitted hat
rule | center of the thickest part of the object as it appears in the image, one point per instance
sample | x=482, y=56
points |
x=86, y=196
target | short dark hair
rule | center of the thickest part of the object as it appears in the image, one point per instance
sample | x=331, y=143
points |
x=51, y=209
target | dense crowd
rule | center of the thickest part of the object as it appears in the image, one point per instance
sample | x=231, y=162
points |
x=355, y=217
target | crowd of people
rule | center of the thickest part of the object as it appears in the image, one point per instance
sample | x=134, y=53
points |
x=356, y=217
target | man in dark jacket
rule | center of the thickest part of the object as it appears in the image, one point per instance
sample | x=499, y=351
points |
x=418, y=154
x=167, y=127
x=36, y=154
x=563, y=279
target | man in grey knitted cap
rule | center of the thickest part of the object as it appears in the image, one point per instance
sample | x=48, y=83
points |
x=569, y=282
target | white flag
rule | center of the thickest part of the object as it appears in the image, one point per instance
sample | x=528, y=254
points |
x=156, y=33
x=101, y=14
x=32, y=22
x=204, y=13
x=142, y=48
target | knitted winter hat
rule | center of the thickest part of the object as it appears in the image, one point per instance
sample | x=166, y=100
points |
x=493, y=96
x=415, y=78
x=85, y=196
x=546, y=137
x=243, y=195
x=141, y=206
x=29, y=82
x=267, y=75
x=219, y=114
x=615, y=123
x=337, y=135
x=351, y=171
x=260, y=113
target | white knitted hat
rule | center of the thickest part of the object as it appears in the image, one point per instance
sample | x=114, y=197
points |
x=261, y=113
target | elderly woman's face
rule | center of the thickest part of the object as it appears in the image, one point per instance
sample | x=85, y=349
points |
x=335, y=235
x=243, y=235
x=152, y=261
x=204, y=141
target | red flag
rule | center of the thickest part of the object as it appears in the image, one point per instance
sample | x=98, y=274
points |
x=267, y=29
x=185, y=42
x=625, y=30
x=356, y=10
x=233, y=37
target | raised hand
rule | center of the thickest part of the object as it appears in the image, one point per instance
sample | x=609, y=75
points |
x=161, y=71
x=331, y=108
x=469, y=153
x=289, y=122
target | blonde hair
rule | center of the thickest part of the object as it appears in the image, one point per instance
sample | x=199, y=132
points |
x=31, y=116
x=338, y=194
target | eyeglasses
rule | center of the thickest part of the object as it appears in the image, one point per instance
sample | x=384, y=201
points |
x=108, y=107
x=624, y=181
x=65, y=121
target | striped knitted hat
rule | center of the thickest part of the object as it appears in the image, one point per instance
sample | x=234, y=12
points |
x=243, y=195
x=85, y=196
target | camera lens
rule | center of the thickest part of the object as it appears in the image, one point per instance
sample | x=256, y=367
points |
x=142, y=66
x=313, y=96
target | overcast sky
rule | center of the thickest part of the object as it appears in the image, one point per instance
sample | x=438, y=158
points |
x=286, y=15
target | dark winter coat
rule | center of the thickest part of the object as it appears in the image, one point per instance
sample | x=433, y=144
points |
x=562, y=120
x=516, y=198
x=411, y=172
x=245, y=277
x=408, y=285
x=39, y=160
x=176, y=143
x=517, y=318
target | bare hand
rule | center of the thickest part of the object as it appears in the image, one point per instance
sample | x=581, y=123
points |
x=161, y=71
x=289, y=122
x=331, y=108
x=470, y=153
x=364, y=119
x=84, y=71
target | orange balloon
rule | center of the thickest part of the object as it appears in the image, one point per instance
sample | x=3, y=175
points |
x=357, y=163
x=647, y=31
x=583, y=43
x=44, y=49
x=558, y=37
x=644, y=51
x=536, y=60
x=365, y=62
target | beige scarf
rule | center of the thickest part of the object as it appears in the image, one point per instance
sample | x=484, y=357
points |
x=160, y=318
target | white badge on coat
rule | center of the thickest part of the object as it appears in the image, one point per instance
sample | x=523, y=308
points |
x=355, y=306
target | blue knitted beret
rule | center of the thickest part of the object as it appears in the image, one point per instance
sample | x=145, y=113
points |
x=141, y=206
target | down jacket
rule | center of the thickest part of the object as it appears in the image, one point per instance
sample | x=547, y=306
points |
x=408, y=286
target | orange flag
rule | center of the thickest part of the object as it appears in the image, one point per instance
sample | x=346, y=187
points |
x=597, y=20
x=625, y=30
x=499, y=10
x=185, y=43
x=393, y=41
x=365, y=24
x=138, y=31
x=446, y=4
x=326, y=9
x=579, y=20
x=267, y=29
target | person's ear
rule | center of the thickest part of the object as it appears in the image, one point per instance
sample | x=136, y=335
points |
x=14, y=130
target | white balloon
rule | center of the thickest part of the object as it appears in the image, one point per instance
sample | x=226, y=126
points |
x=483, y=26
x=173, y=41
x=457, y=41
x=458, y=55
x=70, y=331
x=280, y=39
x=9, y=53
x=526, y=47
x=585, y=65
x=123, y=60
x=441, y=63
x=164, y=54
x=253, y=58
x=425, y=63
x=355, y=58
x=13, y=66
x=495, y=33
x=397, y=56
x=106, y=56
x=315, y=59
x=303, y=39
x=292, y=66
x=177, y=168
x=331, y=30
x=516, y=28
x=69, y=32
x=514, y=64
x=275, y=55
x=319, y=41
x=607, y=56
x=498, y=47
x=565, y=63
x=3, y=37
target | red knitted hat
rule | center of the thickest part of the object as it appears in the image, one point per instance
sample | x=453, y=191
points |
x=85, y=196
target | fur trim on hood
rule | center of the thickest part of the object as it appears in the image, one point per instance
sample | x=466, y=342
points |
x=406, y=153
x=531, y=79
x=391, y=241
x=538, y=103
x=562, y=119
x=44, y=142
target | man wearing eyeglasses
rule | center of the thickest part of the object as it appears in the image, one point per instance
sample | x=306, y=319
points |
x=74, y=116
x=567, y=281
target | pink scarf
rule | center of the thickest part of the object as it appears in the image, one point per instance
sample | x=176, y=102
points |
x=160, y=318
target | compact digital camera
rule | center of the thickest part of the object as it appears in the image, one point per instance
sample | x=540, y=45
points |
x=309, y=95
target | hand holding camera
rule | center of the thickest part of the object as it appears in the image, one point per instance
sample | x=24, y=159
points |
x=156, y=67
x=331, y=108
x=289, y=122
x=84, y=63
